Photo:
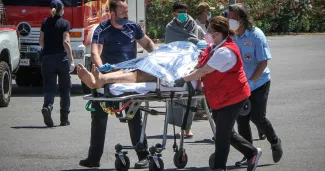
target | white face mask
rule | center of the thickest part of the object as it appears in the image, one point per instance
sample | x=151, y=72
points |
x=208, y=38
x=233, y=24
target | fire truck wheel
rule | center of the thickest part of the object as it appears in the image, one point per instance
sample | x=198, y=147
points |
x=85, y=88
x=5, y=84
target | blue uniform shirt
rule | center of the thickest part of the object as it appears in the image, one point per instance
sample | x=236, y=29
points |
x=119, y=45
x=254, y=48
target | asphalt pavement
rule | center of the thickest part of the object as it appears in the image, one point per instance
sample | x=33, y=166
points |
x=296, y=109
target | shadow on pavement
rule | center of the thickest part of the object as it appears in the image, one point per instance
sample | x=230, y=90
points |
x=31, y=127
x=200, y=142
x=168, y=137
x=17, y=91
x=89, y=170
x=208, y=169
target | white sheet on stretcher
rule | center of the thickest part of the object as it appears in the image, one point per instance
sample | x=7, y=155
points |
x=142, y=88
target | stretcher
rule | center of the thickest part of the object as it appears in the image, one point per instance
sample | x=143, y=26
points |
x=130, y=102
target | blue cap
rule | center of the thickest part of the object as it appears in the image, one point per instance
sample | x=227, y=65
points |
x=57, y=4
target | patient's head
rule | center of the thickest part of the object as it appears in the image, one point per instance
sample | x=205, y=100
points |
x=218, y=30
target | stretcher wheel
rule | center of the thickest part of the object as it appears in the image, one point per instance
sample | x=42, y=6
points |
x=153, y=166
x=180, y=159
x=211, y=161
x=119, y=166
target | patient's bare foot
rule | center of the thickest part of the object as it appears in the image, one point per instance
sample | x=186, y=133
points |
x=88, y=78
x=98, y=76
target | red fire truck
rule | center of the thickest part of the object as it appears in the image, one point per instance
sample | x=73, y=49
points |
x=83, y=15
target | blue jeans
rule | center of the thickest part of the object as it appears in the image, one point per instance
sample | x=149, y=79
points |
x=53, y=67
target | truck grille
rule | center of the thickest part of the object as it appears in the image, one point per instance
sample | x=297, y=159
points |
x=32, y=38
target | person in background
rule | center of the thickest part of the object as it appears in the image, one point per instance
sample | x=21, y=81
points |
x=182, y=27
x=255, y=53
x=203, y=11
x=114, y=41
x=226, y=90
x=56, y=61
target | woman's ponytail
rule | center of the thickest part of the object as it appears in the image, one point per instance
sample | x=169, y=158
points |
x=232, y=32
x=53, y=12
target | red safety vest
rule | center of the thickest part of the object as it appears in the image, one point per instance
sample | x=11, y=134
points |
x=227, y=88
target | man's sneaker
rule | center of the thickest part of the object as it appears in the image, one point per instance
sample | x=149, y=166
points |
x=253, y=162
x=277, y=151
x=46, y=112
x=89, y=163
x=261, y=135
x=142, y=164
x=242, y=162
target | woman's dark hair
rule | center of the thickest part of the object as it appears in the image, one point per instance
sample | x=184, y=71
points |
x=113, y=4
x=221, y=24
x=242, y=11
x=179, y=5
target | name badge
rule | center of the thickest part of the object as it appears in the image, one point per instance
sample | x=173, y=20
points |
x=248, y=43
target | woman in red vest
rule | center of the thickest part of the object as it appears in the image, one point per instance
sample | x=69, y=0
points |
x=226, y=90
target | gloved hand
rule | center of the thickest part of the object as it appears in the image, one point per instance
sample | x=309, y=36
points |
x=106, y=67
x=202, y=44
x=179, y=82
x=72, y=67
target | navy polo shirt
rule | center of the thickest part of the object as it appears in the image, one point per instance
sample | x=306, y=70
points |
x=119, y=45
x=53, y=29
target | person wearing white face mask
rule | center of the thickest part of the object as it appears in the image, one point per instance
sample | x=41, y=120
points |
x=226, y=89
x=255, y=52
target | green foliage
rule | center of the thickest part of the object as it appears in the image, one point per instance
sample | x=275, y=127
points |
x=280, y=16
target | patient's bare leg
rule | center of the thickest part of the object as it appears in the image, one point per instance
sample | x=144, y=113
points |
x=95, y=79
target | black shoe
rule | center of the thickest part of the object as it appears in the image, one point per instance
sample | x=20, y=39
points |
x=242, y=162
x=123, y=120
x=89, y=163
x=65, y=123
x=64, y=117
x=253, y=162
x=277, y=151
x=46, y=112
x=261, y=135
x=142, y=164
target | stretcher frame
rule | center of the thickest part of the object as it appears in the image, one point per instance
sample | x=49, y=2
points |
x=180, y=157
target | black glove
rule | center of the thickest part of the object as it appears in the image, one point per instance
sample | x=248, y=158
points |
x=179, y=82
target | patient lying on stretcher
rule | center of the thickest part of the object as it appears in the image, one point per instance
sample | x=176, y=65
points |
x=96, y=79
x=168, y=62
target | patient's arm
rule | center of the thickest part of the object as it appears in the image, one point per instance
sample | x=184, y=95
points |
x=96, y=79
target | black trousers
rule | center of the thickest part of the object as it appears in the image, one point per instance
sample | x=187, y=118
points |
x=53, y=67
x=98, y=132
x=225, y=119
x=257, y=115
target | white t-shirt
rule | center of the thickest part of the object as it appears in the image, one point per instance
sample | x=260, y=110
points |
x=223, y=59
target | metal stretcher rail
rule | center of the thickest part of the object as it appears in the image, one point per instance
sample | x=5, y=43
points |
x=134, y=101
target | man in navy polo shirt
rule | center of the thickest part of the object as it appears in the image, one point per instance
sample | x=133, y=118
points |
x=114, y=41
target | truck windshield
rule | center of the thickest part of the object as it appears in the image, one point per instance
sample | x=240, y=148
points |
x=67, y=3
